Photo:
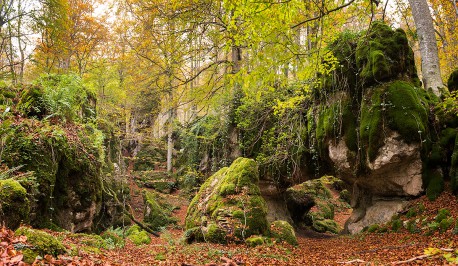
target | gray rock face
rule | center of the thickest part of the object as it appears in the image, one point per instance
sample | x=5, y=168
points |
x=380, y=211
x=395, y=172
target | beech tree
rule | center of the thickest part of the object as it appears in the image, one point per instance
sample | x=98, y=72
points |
x=430, y=65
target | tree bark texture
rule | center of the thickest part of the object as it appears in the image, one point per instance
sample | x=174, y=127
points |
x=430, y=66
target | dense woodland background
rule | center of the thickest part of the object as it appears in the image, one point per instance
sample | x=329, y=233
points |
x=229, y=121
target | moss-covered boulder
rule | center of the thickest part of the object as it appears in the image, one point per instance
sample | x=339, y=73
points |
x=254, y=241
x=228, y=206
x=384, y=54
x=14, y=204
x=313, y=204
x=66, y=158
x=41, y=243
x=283, y=231
x=138, y=236
x=156, y=214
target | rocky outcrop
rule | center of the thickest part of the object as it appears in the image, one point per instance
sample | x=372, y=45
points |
x=314, y=202
x=382, y=125
x=63, y=161
x=228, y=206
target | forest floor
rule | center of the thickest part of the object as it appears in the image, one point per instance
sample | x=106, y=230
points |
x=313, y=249
x=387, y=248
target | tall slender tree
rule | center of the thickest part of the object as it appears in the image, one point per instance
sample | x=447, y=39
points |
x=430, y=65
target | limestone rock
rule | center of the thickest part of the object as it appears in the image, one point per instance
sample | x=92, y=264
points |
x=381, y=211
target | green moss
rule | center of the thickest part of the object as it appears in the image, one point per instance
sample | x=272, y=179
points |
x=345, y=196
x=254, y=241
x=406, y=113
x=370, y=124
x=445, y=224
x=396, y=224
x=283, y=231
x=138, y=236
x=326, y=225
x=154, y=214
x=230, y=196
x=412, y=227
x=412, y=212
x=112, y=240
x=384, y=54
x=373, y=228
x=452, y=82
x=42, y=242
x=29, y=255
x=215, y=234
x=441, y=215
x=435, y=183
x=397, y=105
x=14, y=205
x=90, y=240
x=344, y=77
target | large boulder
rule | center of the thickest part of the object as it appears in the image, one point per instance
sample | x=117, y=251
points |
x=314, y=202
x=14, y=204
x=228, y=206
x=377, y=134
x=66, y=161
x=156, y=213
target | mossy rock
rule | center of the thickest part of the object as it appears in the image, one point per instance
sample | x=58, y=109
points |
x=138, y=236
x=283, y=231
x=384, y=54
x=42, y=242
x=452, y=82
x=301, y=198
x=254, y=241
x=326, y=225
x=155, y=215
x=399, y=105
x=14, y=205
x=61, y=171
x=435, y=183
x=228, y=206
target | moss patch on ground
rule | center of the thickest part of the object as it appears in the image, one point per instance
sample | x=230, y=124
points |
x=42, y=243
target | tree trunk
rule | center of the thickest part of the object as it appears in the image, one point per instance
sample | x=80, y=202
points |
x=430, y=67
x=170, y=138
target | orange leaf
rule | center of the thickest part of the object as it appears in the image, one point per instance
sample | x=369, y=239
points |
x=17, y=258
